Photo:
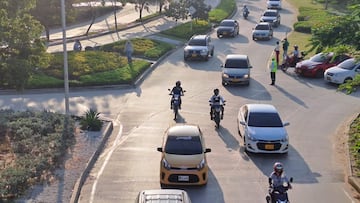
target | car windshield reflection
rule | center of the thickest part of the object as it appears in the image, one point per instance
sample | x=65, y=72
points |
x=183, y=145
x=264, y=120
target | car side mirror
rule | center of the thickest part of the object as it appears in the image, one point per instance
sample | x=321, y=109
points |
x=250, y=66
x=221, y=66
x=242, y=123
x=159, y=149
x=207, y=150
x=286, y=124
x=291, y=179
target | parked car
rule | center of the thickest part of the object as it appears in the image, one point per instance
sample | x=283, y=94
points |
x=236, y=69
x=262, y=129
x=271, y=16
x=183, y=160
x=199, y=47
x=163, y=195
x=262, y=30
x=317, y=64
x=345, y=71
x=228, y=27
x=273, y=4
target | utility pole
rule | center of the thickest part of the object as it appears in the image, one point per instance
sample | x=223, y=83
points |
x=66, y=74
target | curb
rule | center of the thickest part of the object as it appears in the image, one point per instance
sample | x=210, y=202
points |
x=80, y=182
x=355, y=183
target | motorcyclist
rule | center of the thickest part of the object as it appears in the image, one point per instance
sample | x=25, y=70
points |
x=216, y=99
x=277, y=178
x=296, y=54
x=246, y=10
x=177, y=89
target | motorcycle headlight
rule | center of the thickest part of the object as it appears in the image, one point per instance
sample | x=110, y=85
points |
x=201, y=165
x=166, y=164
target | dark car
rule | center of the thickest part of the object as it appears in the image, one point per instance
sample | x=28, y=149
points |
x=199, y=47
x=317, y=64
x=228, y=27
x=271, y=16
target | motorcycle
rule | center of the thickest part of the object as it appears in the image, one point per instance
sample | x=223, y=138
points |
x=216, y=113
x=290, y=61
x=175, y=100
x=245, y=14
x=279, y=193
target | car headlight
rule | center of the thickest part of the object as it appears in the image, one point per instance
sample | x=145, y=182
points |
x=311, y=67
x=251, y=138
x=285, y=139
x=201, y=165
x=166, y=164
x=246, y=76
x=224, y=75
x=186, y=51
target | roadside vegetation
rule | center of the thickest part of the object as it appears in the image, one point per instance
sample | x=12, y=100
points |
x=32, y=145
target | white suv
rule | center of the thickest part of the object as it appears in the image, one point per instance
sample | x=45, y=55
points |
x=199, y=47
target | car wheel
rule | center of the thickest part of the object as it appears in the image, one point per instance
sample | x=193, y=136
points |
x=348, y=80
x=253, y=38
x=224, y=83
x=218, y=36
x=212, y=53
x=319, y=74
x=245, y=149
x=185, y=59
x=206, y=58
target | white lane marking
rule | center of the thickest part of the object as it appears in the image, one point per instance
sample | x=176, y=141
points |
x=113, y=147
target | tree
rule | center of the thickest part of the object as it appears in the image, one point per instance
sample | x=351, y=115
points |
x=201, y=10
x=339, y=30
x=48, y=12
x=21, y=46
x=178, y=10
x=140, y=5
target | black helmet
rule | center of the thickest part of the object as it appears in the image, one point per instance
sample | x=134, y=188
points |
x=178, y=83
x=295, y=46
x=216, y=91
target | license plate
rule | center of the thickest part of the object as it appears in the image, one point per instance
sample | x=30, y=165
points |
x=183, y=178
x=235, y=80
x=194, y=55
x=269, y=146
x=225, y=33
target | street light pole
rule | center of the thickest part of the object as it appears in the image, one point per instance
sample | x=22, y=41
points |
x=66, y=74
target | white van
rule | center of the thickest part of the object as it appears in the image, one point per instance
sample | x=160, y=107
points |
x=163, y=195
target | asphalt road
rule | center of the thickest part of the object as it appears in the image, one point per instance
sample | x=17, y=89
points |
x=130, y=162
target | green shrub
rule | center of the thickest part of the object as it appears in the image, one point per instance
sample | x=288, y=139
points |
x=91, y=121
x=38, y=143
x=188, y=29
x=303, y=27
x=308, y=18
x=222, y=11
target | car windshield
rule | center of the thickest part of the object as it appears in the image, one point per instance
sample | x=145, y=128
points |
x=227, y=23
x=264, y=120
x=183, y=145
x=271, y=14
x=274, y=0
x=348, y=64
x=319, y=58
x=236, y=63
x=197, y=42
x=262, y=27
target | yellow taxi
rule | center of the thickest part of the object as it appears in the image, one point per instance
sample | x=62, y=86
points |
x=183, y=159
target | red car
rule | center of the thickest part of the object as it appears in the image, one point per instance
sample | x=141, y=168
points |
x=317, y=64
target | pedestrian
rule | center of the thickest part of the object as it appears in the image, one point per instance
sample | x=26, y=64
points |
x=285, y=45
x=128, y=51
x=77, y=45
x=273, y=69
x=277, y=52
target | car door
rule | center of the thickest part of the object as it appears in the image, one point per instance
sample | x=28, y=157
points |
x=242, y=117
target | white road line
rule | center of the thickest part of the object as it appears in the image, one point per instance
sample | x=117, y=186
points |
x=113, y=147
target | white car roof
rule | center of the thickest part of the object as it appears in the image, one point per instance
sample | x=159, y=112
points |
x=263, y=108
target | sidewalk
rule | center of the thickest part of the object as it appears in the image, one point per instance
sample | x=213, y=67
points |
x=126, y=19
